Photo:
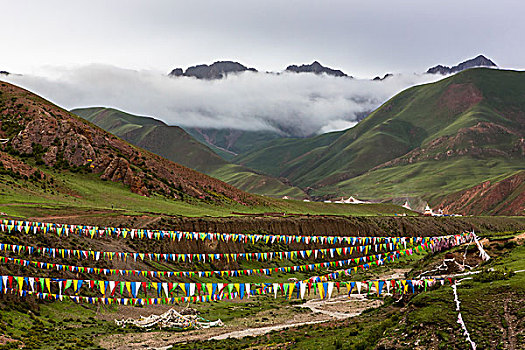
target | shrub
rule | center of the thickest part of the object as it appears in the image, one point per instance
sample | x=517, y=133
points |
x=489, y=275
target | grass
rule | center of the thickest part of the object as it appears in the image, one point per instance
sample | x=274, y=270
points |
x=58, y=325
x=85, y=191
x=423, y=178
x=272, y=157
x=250, y=181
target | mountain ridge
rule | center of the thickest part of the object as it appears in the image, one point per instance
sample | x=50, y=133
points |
x=221, y=69
x=216, y=70
x=316, y=68
x=475, y=117
x=478, y=61
x=46, y=135
x=175, y=144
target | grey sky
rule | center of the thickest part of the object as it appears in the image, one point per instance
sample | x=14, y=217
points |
x=363, y=38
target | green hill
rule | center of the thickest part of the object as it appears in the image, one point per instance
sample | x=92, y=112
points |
x=43, y=144
x=230, y=142
x=175, y=144
x=57, y=165
x=427, y=141
x=281, y=157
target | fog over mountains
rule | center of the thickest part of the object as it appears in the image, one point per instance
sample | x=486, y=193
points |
x=289, y=103
x=300, y=101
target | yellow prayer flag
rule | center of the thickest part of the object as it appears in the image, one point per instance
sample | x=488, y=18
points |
x=321, y=290
x=348, y=288
x=291, y=287
x=20, y=281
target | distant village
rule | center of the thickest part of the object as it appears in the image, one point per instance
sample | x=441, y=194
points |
x=352, y=200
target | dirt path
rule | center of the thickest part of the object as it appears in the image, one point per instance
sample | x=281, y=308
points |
x=510, y=331
x=341, y=307
x=250, y=332
x=338, y=307
x=152, y=221
x=4, y=340
x=324, y=309
x=519, y=238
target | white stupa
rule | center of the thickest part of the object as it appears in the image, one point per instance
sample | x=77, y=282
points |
x=353, y=200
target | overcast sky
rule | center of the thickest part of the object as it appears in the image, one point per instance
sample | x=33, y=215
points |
x=116, y=53
x=362, y=38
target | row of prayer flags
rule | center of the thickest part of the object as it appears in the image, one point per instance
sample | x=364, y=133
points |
x=96, y=231
x=191, y=257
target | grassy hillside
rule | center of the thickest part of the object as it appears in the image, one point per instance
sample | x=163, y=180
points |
x=428, y=179
x=57, y=162
x=66, y=194
x=175, y=144
x=41, y=136
x=229, y=142
x=281, y=157
x=427, y=141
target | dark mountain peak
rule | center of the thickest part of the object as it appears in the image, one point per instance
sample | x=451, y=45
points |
x=3, y=72
x=483, y=59
x=216, y=70
x=387, y=75
x=177, y=72
x=316, y=68
x=479, y=61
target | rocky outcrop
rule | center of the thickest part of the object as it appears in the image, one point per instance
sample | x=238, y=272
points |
x=480, y=61
x=10, y=163
x=505, y=197
x=54, y=137
x=217, y=70
x=315, y=68
x=119, y=170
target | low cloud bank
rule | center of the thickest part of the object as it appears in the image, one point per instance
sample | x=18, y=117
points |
x=289, y=103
